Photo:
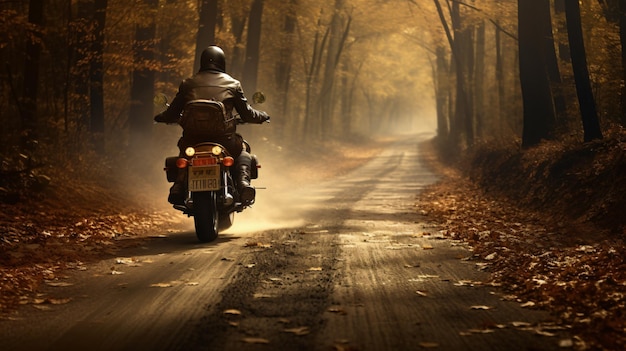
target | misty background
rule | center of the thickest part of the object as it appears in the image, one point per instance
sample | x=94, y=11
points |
x=79, y=77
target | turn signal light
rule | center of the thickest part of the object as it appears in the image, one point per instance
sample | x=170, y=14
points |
x=228, y=161
x=182, y=163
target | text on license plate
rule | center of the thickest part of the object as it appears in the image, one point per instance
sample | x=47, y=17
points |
x=203, y=161
x=204, y=178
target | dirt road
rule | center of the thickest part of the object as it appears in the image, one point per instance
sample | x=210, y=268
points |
x=348, y=265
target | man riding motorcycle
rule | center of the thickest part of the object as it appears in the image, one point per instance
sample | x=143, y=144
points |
x=212, y=82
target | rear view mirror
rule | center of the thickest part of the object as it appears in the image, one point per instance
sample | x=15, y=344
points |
x=160, y=100
x=258, y=97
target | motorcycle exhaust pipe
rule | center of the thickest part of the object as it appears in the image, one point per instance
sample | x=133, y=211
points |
x=228, y=199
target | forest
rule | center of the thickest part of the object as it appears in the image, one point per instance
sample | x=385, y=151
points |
x=80, y=76
x=525, y=99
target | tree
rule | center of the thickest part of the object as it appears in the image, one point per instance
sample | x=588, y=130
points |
x=622, y=35
x=589, y=114
x=79, y=63
x=31, y=76
x=207, y=22
x=442, y=93
x=552, y=64
x=253, y=46
x=339, y=29
x=285, y=59
x=310, y=125
x=97, y=77
x=462, y=110
x=142, y=89
x=539, y=114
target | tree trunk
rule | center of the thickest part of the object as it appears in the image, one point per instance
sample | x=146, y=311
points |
x=622, y=35
x=253, y=46
x=311, y=126
x=559, y=10
x=142, y=89
x=461, y=112
x=31, y=77
x=81, y=65
x=207, y=22
x=589, y=114
x=442, y=88
x=466, y=46
x=283, y=68
x=479, y=80
x=97, y=79
x=338, y=31
x=537, y=100
x=500, y=80
x=238, y=26
x=551, y=62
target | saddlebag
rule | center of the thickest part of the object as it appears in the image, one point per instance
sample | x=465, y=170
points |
x=171, y=171
x=206, y=119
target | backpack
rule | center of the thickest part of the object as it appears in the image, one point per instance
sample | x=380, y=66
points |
x=205, y=119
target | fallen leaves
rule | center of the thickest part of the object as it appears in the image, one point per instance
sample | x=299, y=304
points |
x=58, y=283
x=257, y=244
x=299, y=331
x=577, y=274
x=42, y=242
x=337, y=309
x=233, y=312
x=262, y=296
x=251, y=340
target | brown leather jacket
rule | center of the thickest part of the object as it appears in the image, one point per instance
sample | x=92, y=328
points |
x=218, y=86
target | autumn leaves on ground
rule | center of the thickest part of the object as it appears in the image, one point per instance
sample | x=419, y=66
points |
x=545, y=222
x=549, y=225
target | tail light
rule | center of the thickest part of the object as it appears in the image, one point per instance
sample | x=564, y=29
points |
x=228, y=161
x=182, y=163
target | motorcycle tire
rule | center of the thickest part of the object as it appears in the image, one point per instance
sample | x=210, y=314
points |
x=205, y=216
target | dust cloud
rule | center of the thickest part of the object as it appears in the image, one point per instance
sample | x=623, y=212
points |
x=280, y=198
x=283, y=198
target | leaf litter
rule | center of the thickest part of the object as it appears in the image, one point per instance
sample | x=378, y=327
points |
x=540, y=257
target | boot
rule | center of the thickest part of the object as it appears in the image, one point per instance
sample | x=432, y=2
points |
x=247, y=193
x=177, y=191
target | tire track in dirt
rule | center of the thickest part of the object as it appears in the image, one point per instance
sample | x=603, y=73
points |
x=366, y=274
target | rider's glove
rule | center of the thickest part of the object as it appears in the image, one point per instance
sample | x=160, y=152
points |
x=160, y=118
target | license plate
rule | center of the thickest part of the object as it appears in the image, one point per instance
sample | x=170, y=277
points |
x=204, y=178
x=203, y=161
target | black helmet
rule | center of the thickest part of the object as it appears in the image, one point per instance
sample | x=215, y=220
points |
x=213, y=58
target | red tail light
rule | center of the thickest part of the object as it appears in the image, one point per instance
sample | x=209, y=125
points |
x=182, y=163
x=228, y=161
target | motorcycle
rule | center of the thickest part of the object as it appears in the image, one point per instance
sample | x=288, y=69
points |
x=212, y=197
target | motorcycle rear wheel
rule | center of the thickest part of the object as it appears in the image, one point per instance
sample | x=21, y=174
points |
x=205, y=216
